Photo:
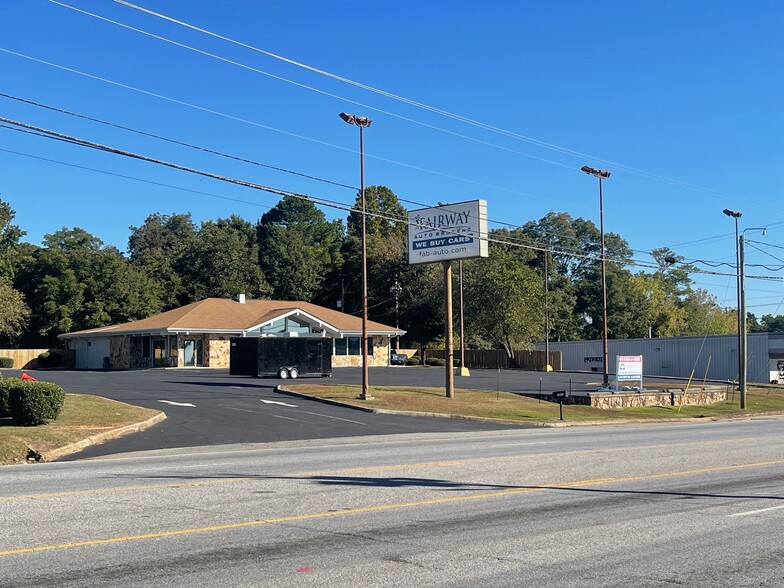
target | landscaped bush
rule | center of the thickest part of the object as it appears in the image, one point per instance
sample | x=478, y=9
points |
x=435, y=361
x=49, y=360
x=6, y=362
x=413, y=361
x=33, y=403
x=5, y=412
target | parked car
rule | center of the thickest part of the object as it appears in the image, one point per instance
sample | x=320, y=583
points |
x=398, y=359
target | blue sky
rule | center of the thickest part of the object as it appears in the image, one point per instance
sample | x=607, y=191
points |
x=680, y=100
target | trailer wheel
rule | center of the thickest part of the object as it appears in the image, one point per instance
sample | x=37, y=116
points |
x=283, y=373
x=293, y=373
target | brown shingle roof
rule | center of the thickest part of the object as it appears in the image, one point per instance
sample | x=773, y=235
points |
x=221, y=314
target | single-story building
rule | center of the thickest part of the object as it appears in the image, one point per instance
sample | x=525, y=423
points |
x=714, y=357
x=198, y=334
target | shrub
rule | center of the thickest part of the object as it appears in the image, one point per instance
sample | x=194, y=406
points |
x=49, y=360
x=5, y=411
x=435, y=361
x=33, y=403
x=6, y=362
x=413, y=361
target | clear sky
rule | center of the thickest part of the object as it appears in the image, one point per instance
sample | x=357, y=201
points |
x=681, y=100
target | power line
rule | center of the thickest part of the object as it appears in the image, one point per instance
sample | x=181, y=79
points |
x=311, y=88
x=267, y=127
x=405, y=100
x=176, y=142
x=127, y=177
x=320, y=201
x=561, y=251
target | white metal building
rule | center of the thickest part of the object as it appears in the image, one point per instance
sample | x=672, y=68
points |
x=714, y=355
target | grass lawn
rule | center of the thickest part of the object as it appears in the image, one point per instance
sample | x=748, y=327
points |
x=82, y=416
x=489, y=404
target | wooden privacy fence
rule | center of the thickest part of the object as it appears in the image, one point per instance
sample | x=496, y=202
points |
x=24, y=358
x=495, y=358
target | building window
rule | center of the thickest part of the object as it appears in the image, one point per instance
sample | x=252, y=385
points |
x=287, y=325
x=351, y=346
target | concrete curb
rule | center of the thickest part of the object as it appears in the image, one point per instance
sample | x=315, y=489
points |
x=556, y=424
x=55, y=454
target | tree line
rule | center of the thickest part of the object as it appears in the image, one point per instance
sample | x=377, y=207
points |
x=74, y=281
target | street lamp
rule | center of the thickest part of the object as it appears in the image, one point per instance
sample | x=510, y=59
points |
x=602, y=174
x=742, y=310
x=362, y=122
x=397, y=289
x=736, y=215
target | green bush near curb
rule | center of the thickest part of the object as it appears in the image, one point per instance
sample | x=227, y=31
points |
x=31, y=403
x=435, y=361
x=412, y=361
x=6, y=362
x=5, y=410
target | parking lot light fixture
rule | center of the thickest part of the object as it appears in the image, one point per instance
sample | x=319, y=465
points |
x=362, y=122
x=602, y=174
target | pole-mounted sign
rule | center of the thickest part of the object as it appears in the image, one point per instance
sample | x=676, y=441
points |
x=446, y=232
x=443, y=233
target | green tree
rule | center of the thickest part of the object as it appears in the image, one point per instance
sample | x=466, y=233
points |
x=297, y=249
x=387, y=264
x=772, y=324
x=504, y=302
x=75, y=283
x=9, y=240
x=158, y=248
x=704, y=316
x=14, y=313
x=222, y=261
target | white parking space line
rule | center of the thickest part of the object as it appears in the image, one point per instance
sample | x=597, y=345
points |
x=753, y=512
x=177, y=403
x=277, y=402
x=326, y=416
x=277, y=416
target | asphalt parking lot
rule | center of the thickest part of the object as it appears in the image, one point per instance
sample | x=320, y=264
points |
x=207, y=407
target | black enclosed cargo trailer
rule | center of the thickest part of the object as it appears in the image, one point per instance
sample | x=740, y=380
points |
x=284, y=357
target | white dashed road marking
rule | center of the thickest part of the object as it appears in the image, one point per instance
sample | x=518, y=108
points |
x=276, y=402
x=177, y=403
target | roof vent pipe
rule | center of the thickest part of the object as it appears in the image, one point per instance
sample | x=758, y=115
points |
x=242, y=298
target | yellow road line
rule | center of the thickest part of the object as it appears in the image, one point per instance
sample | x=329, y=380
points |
x=383, y=507
x=373, y=469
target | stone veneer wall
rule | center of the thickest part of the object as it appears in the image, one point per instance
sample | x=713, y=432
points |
x=379, y=358
x=607, y=400
x=120, y=352
x=217, y=349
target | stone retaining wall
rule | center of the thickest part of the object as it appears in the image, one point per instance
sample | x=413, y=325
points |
x=671, y=397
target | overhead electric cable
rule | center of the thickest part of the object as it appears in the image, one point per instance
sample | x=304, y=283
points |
x=562, y=250
x=311, y=88
x=38, y=131
x=176, y=142
x=266, y=127
x=320, y=201
x=127, y=177
x=411, y=102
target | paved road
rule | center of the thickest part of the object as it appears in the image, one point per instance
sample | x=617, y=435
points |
x=209, y=407
x=698, y=505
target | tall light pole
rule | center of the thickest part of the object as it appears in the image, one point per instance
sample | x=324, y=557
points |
x=396, y=289
x=362, y=122
x=546, y=319
x=742, y=310
x=602, y=174
x=736, y=215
